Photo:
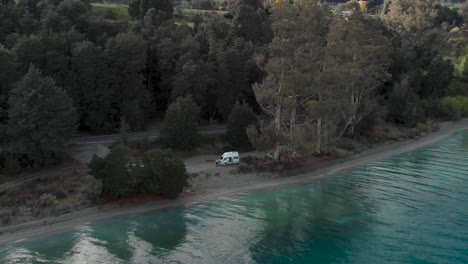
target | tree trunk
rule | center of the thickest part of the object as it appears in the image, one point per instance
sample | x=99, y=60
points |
x=278, y=118
x=212, y=117
x=292, y=122
x=318, y=146
x=277, y=152
x=278, y=129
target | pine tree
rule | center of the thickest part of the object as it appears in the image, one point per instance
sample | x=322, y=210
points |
x=180, y=127
x=41, y=117
x=126, y=57
x=88, y=85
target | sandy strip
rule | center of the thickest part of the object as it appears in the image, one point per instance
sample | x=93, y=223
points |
x=52, y=225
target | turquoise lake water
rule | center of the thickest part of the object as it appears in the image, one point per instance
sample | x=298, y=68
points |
x=408, y=209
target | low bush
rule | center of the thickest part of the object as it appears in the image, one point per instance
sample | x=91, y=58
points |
x=157, y=171
x=421, y=127
x=167, y=174
x=453, y=108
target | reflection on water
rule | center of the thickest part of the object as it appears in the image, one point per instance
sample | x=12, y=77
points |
x=409, y=209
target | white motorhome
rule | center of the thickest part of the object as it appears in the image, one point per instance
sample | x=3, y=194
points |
x=228, y=158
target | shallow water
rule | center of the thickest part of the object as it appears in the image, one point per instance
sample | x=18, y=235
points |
x=408, y=209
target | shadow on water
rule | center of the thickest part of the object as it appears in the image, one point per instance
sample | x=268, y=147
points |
x=49, y=251
x=311, y=218
x=165, y=230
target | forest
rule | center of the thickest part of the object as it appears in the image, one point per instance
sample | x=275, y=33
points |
x=309, y=73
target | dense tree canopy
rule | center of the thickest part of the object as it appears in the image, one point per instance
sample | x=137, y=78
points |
x=312, y=74
x=41, y=116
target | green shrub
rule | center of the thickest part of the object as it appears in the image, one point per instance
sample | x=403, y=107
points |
x=404, y=107
x=458, y=87
x=158, y=172
x=168, y=175
x=113, y=169
x=454, y=108
x=96, y=166
x=421, y=127
x=417, y=130
x=464, y=101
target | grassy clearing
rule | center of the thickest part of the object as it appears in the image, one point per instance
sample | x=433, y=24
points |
x=101, y=10
x=121, y=11
x=189, y=12
x=451, y=5
x=332, y=4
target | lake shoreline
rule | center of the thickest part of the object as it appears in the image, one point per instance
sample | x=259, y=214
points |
x=51, y=225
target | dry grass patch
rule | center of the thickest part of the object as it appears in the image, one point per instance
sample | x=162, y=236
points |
x=52, y=196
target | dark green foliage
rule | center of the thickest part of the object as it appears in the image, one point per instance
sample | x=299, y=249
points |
x=420, y=69
x=241, y=117
x=41, y=116
x=168, y=174
x=47, y=52
x=115, y=174
x=203, y=4
x=111, y=15
x=76, y=12
x=123, y=176
x=96, y=166
x=114, y=68
x=138, y=8
x=251, y=21
x=403, y=106
x=195, y=78
x=458, y=87
x=8, y=76
x=9, y=15
x=88, y=84
x=235, y=68
x=448, y=15
x=32, y=6
x=439, y=75
x=28, y=24
x=126, y=55
x=99, y=30
x=12, y=166
x=453, y=108
x=180, y=127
